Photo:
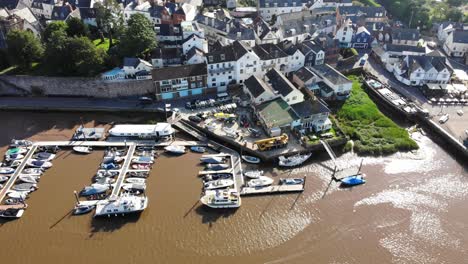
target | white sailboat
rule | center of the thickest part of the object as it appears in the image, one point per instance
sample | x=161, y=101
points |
x=82, y=149
x=292, y=161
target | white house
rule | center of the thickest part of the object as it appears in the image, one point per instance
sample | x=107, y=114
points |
x=190, y=28
x=344, y=34
x=194, y=41
x=456, y=44
x=133, y=65
x=391, y=53
x=405, y=36
x=445, y=28
x=43, y=8
x=334, y=84
x=279, y=83
x=296, y=58
x=258, y=90
x=420, y=70
x=268, y=8
x=195, y=56
x=271, y=56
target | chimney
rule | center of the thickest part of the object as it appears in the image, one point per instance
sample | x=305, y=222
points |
x=414, y=35
x=228, y=27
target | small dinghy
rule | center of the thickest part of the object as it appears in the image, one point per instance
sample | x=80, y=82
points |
x=253, y=174
x=82, y=209
x=17, y=150
x=14, y=157
x=135, y=180
x=6, y=170
x=45, y=156
x=293, y=161
x=14, y=201
x=134, y=187
x=212, y=160
x=94, y=189
x=29, y=178
x=144, y=159
x=12, y=213
x=251, y=159
x=141, y=166
x=110, y=166
x=139, y=174
x=14, y=163
x=218, y=184
x=217, y=167
x=291, y=181
x=18, y=195
x=33, y=171
x=198, y=149
x=260, y=182
x=353, y=180
x=175, y=149
x=39, y=164
x=25, y=187
x=3, y=178
x=104, y=180
x=82, y=150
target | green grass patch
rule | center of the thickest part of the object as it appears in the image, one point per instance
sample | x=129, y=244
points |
x=372, y=131
x=102, y=45
x=369, y=2
x=35, y=69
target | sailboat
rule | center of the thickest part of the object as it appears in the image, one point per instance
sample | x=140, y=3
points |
x=353, y=180
x=82, y=150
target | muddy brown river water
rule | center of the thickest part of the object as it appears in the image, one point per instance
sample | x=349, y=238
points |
x=413, y=209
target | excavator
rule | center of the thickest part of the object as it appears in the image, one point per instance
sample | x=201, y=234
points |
x=272, y=143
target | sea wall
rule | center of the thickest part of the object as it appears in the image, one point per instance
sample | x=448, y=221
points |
x=19, y=85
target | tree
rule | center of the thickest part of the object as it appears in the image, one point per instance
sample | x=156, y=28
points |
x=52, y=27
x=138, y=37
x=84, y=58
x=454, y=14
x=109, y=19
x=56, y=48
x=455, y=3
x=76, y=27
x=23, y=48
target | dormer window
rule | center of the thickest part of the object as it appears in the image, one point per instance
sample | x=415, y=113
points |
x=210, y=58
x=222, y=57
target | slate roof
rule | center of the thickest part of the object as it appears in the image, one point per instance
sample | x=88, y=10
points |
x=307, y=108
x=279, y=82
x=231, y=52
x=329, y=73
x=194, y=51
x=304, y=74
x=134, y=62
x=177, y=72
x=460, y=36
x=168, y=30
x=426, y=63
x=165, y=53
x=405, y=34
x=269, y=51
x=368, y=11
x=217, y=23
x=245, y=33
x=9, y=4
x=288, y=47
x=310, y=46
x=306, y=24
x=256, y=86
x=83, y=3
x=61, y=12
x=401, y=48
x=280, y=3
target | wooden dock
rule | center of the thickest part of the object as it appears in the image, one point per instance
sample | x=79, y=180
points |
x=117, y=143
x=17, y=172
x=272, y=189
x=123, y=173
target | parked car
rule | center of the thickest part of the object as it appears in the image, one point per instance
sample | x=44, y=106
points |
x=444, y=118
x=326, y=135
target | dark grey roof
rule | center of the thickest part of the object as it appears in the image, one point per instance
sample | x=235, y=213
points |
x=269, y=51
x=304, y=74
x=194, y=51
x=255, y=86
x=460, y=36
x=309, y=46
x=131, y=62
x=231, y=52
x=326, y=71
x=9, y=4
x=279, y=82
x=165, y=53
x=427, y=62
x=405, y=34
x=83, y=3
x=323, y=86
x=456, y=25
x=367, y=11
x=295, y=25
x=288, y=47
x=168, y=30
x=61, y=12
x=213, y=22
x=401, y=48
x=241, y=33
x=177, y=72
x=307, y=108
x=281, y=3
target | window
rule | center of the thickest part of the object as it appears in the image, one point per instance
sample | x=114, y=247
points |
x=199, y=78
x=241, y=71
x=213, y=84
x=223, y=84
x=192, y=78
x=230, y=77
x=267, y=4
x=217, y=66
x=210, y=58
x=200, y=84
x=213, y=80
x=222, y=57
x=211, y=66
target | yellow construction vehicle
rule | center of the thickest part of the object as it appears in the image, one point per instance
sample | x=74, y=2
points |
x=273, y=142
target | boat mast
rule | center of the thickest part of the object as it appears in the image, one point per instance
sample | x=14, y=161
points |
x=359, y=170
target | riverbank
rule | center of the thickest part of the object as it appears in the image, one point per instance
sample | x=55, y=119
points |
x=372, y=131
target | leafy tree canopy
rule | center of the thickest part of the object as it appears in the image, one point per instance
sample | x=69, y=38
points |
x=138, y=37
x=23, y=48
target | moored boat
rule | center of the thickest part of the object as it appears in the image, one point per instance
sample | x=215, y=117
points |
x=17, y=150
x=29, y=178
x=127, y=204
x=18, y=195
x=221, y=199
x=139, y=174
x=134, y=187
x=217, y=167
x=106, y=173
x=291, y=181
x=141, y=166
x=293, y=161
x=14, y=157
x=198, y=149
x=25, y=187
x=20, y=143
x=45, y=156
x=94, y=189
x=218, y=184
x=260, y=182
x=353, y=180
x=135, y=180
x=253, y=174
x=110, y=166
x=82, y=209
x=251, y=159
x=212, y=159
x=6, y=170
x=14, y=201
x=3, y=178
x=12, y=213
x=217, y=176
x=82, y=149
x=143, y=159
x=175, y=149
x=33, y=171
x=39, y=164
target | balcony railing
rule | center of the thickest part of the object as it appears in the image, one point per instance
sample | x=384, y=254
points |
x=223, y=69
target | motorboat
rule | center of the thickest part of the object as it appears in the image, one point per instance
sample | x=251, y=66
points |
x=253, y=174
x=12, y=213
x=14, y=163
x=82, y=209
x=82, y=149
x=14, y=157
x=104, y=180
x=143, y=159
x=24, y=187
x=218, y=184
x=198, y=149
x=18, y=195
x=353, y=180
x=295, y=160
x=228, y=198
x=141, y=166
x=112, y=159
x=251, y=159
x=45, y=156
x=3, y=178
x=6, y=170
x=17, y=150
x=110, y=166
x=291, y=181
x=260, y=182
x=135, y=180
x=39, y=164
x=126, y=204
x=175, y=149
x=106, y=173
x=138, y=174
x=14, y=201
x=217, y=176
x=217, y=167
x=20, y=143
x=134, y=187
x=29, y=178
x=33, y=171
x=212, y=159
x=95, y=188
